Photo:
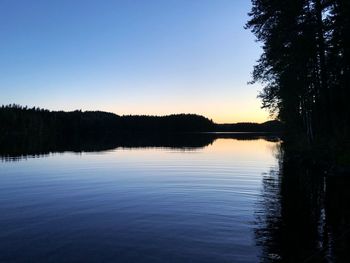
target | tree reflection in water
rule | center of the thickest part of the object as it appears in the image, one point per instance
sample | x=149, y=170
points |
x=303, y=214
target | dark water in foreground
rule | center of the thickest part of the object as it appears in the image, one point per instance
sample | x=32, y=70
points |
x=231, y=200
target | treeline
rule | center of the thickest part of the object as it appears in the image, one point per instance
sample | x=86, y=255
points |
x=268, y=126
x=22, y=121
x=15, y=119
x=33, y=131
x=305, y=64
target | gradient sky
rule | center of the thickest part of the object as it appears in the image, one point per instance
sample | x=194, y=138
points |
x=130, y=57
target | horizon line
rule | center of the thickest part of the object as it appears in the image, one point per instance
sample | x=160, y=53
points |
x=134, y=115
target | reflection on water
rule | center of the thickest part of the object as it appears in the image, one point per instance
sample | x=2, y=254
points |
x=24, y=147
x=303, y=214
x=203, y=198
x=135, y=204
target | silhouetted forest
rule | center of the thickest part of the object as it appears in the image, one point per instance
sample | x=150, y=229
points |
x=268, y=126
x=18, y=120
x=25, y=131
x=305, y=65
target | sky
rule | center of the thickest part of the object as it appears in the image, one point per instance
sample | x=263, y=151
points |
x=153, y=57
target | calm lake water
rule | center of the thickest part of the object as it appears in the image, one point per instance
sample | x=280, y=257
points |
x=216, y=203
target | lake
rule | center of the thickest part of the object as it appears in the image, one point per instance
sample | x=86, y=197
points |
x=222, y=201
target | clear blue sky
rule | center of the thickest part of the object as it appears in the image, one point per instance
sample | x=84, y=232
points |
x=130, y=57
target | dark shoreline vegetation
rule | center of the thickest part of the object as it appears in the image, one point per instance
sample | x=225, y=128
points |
x=305, y=69
x=26, y=131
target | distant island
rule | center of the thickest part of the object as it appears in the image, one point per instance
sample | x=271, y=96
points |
x=17, y=120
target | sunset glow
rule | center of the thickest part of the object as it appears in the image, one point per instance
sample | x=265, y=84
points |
x=139, y=57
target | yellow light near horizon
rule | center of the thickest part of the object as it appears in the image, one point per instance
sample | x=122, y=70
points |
x=220, y=119
x=241, y=147
x=255, y=116
x=240, y=113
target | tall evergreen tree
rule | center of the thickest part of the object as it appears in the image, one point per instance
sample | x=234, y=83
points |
x=305, y=63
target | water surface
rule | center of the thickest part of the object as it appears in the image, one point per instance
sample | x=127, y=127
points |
x=134, y=204
x=215, y=200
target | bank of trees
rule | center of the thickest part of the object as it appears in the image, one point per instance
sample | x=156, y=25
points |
x=305, y=65
x=18, y=120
